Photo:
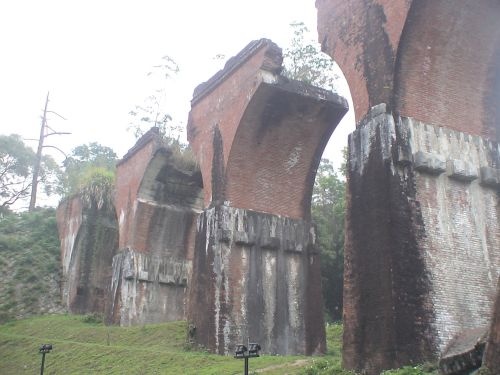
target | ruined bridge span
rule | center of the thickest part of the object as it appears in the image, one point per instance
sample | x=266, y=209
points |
x=229, y=246
x=422, y=240
x=259, y=138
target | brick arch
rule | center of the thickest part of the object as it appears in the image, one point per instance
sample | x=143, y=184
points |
x=362, y=36
x=436, y=61
x=277, y=148
x=258, y=136
x=164, y=182
x=448, y=65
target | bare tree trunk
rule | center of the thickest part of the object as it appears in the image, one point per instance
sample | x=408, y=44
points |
x=38, y=160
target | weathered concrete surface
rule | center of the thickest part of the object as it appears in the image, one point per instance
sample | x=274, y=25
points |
x=423, y=230
x=388, y=312
x=257, y=278
x=89, y=239
x=492, y=354
x=433, y=60
x=148, y=289
x=158, y=199
x=259, y=138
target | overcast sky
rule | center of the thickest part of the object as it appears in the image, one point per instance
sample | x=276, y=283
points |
x=93, y=57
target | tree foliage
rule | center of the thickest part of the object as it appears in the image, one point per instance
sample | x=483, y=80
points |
x=328, y=208
x=90, y=171
x=97, y=188
x=304, y=61
x=16, y=171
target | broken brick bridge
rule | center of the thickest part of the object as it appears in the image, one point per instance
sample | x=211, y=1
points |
x=228, y=244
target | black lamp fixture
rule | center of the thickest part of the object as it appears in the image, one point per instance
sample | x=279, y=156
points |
x=242, y=352
x=253, y=349
x=44, y=349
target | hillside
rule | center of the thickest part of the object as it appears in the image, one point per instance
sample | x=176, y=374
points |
x=29, y=264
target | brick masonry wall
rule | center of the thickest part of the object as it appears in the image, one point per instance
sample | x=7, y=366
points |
x=362, y=36
x=259, y=137
x=224, y=104
x=89, y=239
x=448, y=64
x=432, y=60
x=277, y=149
x=422, y=233
x=157, y=201
x=129, y=173
x=461, y=216
x=69, y=216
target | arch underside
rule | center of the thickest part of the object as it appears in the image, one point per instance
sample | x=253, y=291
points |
x=278, y=146
x=447, y=66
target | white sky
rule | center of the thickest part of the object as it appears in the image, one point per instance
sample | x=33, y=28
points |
x=93, y=57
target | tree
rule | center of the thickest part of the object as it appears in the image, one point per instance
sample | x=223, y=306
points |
x=304, y=61
x=152, y=112
x=45, y=132
x=328, y=208
x=16, y=170
x=90, y=171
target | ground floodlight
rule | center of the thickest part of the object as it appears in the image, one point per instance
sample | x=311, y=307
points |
x=242, y=352
x=253, y=349
x=44, y=349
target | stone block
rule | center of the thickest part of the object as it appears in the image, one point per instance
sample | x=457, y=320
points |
x=490, y=177
x=270, y=242
x=429, y=162
x=243, y=238
x=461, y=170
x=166, y=279
x=293, y=246
x=143, y=275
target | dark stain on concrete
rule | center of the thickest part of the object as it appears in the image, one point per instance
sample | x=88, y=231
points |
x=218, y=178
x=386, y=304
x=378, y=56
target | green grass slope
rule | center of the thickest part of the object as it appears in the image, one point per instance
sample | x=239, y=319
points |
x=89, y=348
x=81, y=347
